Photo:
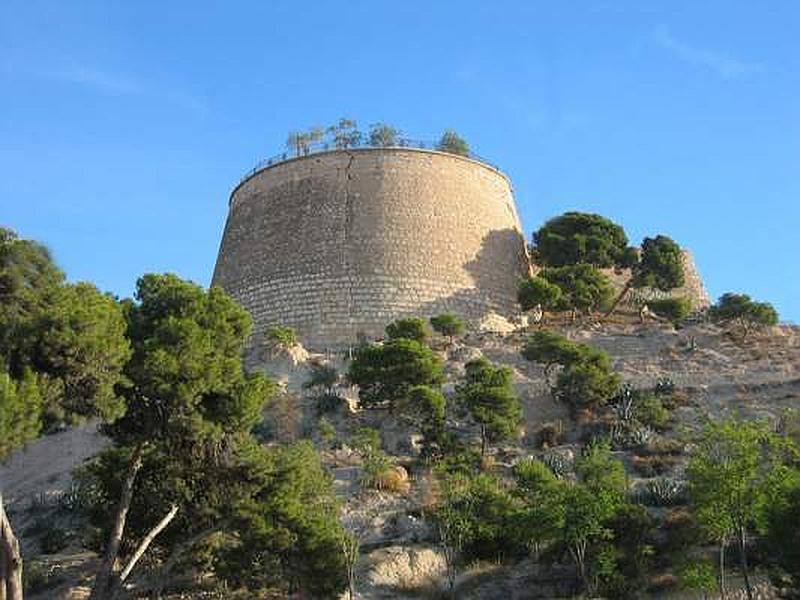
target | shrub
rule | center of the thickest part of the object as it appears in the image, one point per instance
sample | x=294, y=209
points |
x=282, y=337
x=586, y=379
x=663, y=491
x=453, y=143
x=664, y=387
x=385, y=373
x=672, y=309
x=699, y=577
x=383, y=135
x=661, y=445
x=629, y=436
x=448, y=325
x=538, y=291
x=651, y=412
x=376, y=462
x=741, y=310
x=558, y=463
x=327, y=432
x=589, y=382
x=410, y=328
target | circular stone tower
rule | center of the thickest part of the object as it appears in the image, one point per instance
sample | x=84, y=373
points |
x=338, y=244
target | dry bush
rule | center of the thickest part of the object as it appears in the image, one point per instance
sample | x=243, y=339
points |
x=661, y=445
x=664, y=582
x=393, y=479
x=654, y=465
x=676, y=399
x=549, y=435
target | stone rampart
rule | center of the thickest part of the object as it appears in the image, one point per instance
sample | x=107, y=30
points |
x=340, y=243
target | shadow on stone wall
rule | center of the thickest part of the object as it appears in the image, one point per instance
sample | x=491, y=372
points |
x=496, y=270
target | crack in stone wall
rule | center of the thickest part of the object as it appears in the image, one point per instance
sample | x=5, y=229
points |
x=342, y=243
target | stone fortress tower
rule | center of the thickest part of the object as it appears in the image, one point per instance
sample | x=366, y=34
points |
x=337, y=244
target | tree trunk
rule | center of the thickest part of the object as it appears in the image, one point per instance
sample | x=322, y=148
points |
x=10, y=560
x=743, y=559
x=722, y=594
x=145, y=544
x=578, y=552
x=622, y=294
x=483, y=441
x=104, y=582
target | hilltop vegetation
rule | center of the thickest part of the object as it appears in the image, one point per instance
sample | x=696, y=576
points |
x=597, y=452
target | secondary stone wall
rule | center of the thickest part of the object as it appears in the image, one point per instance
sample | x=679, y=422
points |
x=341, y=243
x=693, y=287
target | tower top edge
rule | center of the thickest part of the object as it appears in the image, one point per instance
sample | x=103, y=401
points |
x=262, y=168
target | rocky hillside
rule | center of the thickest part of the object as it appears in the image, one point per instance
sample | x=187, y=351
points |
x=713, y=374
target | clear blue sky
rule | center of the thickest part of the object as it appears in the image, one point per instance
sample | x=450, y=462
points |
x=124, y=125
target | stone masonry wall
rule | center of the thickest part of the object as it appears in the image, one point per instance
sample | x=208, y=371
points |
x=341, y=243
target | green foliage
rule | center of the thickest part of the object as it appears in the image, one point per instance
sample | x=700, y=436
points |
x=288, y=532
x=327, y=432
x=367, y=442
x=28, y=281
x=650, y=411
x=427, y=406
x=589, y=505
x=730, y=478
x=743, y=311
x=186, y=373
x=660, y=264
x=782, y=525
x=586, y=378
x=577, y=237
x=71, y=336
x=448, y=325
x=345, y=133
x=535, y=291
x=699, y=576
x=488, y=394
x=385, y=373
x=282, y=337
x=583, y=287
x=410, y=328
x=20, y=411
x=540, y=520
x=588, y=382
x=482, y=511
x=453, y=143
x=630, y=550
x=672, y=309
x=81, y=347
x=301, y=141
x=551, y=348
x=382, y=135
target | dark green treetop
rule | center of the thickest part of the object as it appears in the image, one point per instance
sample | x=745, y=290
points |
x=409, y=328
x=386, y=372
x=577, y=237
